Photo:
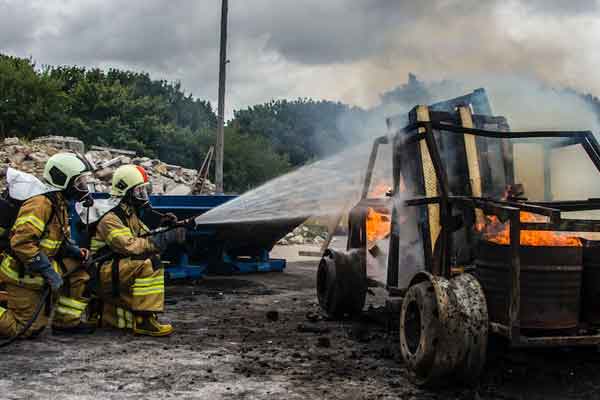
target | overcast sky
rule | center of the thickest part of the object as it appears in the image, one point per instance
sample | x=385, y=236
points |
x=348, y=50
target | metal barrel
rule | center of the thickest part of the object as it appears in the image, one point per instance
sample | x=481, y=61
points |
x=551, y=284
x=591, y=282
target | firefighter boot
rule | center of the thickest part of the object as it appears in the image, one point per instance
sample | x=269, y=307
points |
x=148, y=325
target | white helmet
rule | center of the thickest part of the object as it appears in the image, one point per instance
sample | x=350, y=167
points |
x=70, y=173
x=63, y=169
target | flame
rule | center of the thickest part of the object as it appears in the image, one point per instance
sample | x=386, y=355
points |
x=378, y=223
x=497, y=232
x=378, y=226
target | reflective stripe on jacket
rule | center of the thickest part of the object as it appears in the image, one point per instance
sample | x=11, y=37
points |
x=9, y=271
x=123, y=239
x=33, y=230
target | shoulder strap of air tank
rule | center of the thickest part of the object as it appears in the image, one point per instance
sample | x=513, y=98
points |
x=120, y=213
x=52, y=197
x=116, y=290
x=114, y=275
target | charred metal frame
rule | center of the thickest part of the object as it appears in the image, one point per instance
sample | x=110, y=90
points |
x=504, y=210
x=358, y=215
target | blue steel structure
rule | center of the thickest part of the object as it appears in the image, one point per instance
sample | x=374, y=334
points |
x=205, y=252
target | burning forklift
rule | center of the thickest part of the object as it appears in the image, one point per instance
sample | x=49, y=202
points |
x=484, y=231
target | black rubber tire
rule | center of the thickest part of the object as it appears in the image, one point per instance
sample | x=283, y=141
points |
x=419, y=332
x=342, y=284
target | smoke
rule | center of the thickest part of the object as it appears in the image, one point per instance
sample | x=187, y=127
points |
x=527, y=104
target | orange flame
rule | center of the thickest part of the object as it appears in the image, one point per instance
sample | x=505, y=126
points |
x=497, y=232
x=378, y=226
x=378, y=223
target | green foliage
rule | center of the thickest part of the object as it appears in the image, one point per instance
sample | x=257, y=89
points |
x=114, y=108
x=303, y=129
x=127, y=110
x=31, y=102
x=249, y=161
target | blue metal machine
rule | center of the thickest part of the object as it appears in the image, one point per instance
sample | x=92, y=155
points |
x=210, y=249
x=206, y=252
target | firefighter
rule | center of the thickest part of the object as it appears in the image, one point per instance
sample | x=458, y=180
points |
x=41, y=252
x=131, y=284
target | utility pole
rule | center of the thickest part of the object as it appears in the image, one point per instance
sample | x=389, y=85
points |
x=221, y=111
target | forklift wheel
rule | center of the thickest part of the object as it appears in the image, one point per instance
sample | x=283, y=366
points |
x=443, y=329
x=342, y=283
x=419, y=331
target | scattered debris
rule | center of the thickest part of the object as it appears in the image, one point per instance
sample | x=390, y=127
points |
x=165, y=178
x=305, y=235
x=62, y=142
x=313, y=316
x=313, y=329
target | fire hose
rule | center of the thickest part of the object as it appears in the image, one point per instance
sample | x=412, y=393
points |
x=86, y=264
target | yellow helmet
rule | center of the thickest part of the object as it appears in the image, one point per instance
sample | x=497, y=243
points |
x=128, y=177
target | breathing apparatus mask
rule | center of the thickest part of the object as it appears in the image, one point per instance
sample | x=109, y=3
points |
x=79, y=189
x=138, y=196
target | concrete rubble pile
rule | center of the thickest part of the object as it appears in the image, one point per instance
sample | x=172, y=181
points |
x=165, y=178
x=304, y=235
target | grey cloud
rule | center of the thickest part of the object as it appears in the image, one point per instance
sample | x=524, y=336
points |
x=139, y=32
x=339, y=49
x=17, y=23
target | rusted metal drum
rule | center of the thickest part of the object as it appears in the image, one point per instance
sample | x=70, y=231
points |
x=551, y=283
x=591, y=282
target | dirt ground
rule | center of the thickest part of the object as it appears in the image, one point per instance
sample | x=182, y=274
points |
x=261, y=337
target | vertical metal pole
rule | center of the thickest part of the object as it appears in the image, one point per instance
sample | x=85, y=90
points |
x=442, y=264
x=221, y=111
x=514, y=306
x=370, y=166
x=393, y=267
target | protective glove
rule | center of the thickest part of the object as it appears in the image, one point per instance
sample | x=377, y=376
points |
x=168, y=219
x=71, y=250
x=41, y=265
x=164, y=239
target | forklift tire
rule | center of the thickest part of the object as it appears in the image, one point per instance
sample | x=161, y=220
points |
x=342, y=283
x=419, y=332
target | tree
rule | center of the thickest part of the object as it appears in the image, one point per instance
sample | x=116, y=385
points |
x=303, y=129
x=31, y=101
x=249, y=161
x=130, y=110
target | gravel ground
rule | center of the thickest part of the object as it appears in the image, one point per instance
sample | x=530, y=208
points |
x=262, y=337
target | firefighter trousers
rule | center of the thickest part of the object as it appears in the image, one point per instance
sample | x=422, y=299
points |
x=71, y=304
x=25, y=294
x=141, y=291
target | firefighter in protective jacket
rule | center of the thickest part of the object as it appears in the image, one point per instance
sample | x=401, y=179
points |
x=131, y=285
x=41, y=251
